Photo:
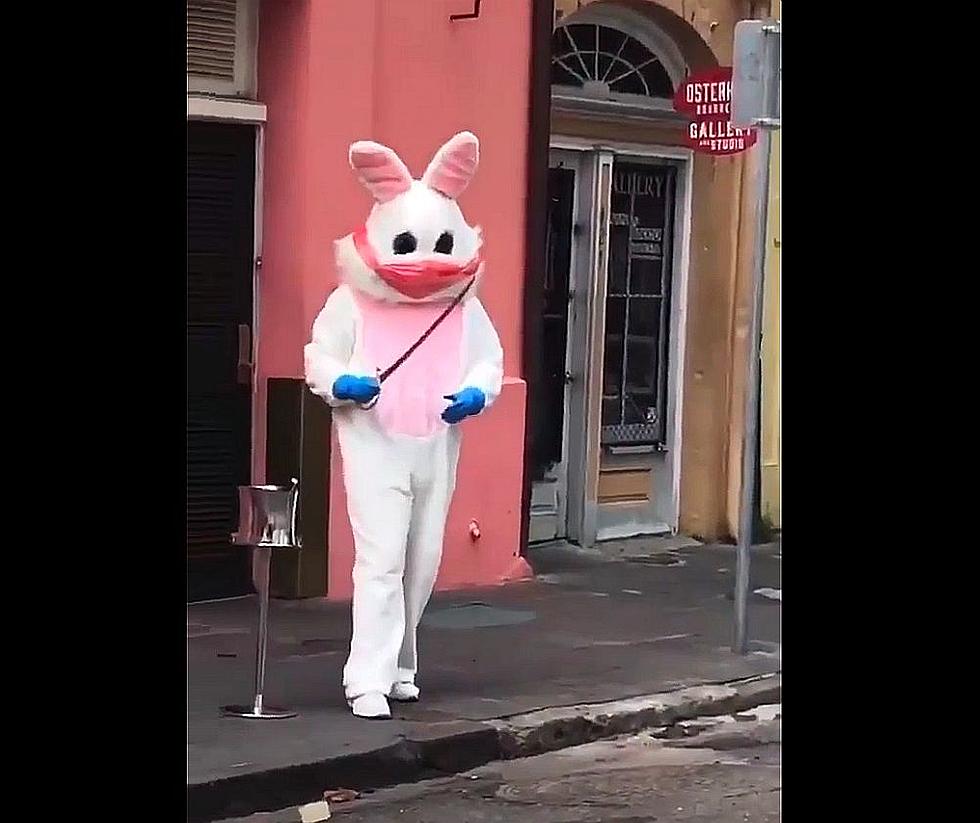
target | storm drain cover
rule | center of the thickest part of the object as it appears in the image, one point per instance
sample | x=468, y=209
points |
x=475, y=616
x=660, y=559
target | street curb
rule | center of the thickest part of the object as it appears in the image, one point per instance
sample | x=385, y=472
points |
x=551, y=729
x=523, y=735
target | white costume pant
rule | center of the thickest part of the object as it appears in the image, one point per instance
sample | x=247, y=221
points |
x=397, y=506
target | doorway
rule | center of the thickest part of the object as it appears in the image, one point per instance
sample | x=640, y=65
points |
x=605, y=416
x=220, y=258
x=635, y=486
x=550, y=414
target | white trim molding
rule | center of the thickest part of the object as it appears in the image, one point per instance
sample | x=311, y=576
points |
x=619, y=147
x=651, y=111
x=258, y=215
x=676, y=357
x=222, y=110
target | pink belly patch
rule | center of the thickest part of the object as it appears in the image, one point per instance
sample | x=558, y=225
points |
x=412, y=398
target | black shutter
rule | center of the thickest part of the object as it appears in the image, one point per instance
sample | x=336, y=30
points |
x=220, y=197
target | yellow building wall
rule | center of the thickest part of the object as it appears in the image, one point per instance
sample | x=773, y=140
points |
x=722, y=266
x=771, y=382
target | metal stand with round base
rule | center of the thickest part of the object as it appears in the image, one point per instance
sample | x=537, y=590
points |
x=254, y=713
x=267, y=519
x=262, y=560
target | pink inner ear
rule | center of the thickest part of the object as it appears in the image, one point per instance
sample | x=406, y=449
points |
x=454, y=165
x=380, y=170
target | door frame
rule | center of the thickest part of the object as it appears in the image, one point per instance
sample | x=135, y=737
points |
x=683, y=158
x=244, y=112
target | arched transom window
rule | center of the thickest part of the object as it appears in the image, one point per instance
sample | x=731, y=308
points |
x=605, y=61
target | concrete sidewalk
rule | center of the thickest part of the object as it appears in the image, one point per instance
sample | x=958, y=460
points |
x=589, y=629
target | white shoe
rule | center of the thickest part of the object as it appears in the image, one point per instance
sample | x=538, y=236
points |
x=404, y=692
x=371, y=706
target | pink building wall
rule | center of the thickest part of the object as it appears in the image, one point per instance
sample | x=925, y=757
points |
x=400, y=73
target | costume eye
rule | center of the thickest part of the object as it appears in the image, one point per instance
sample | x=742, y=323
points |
x=404, y=243
x=444, y=245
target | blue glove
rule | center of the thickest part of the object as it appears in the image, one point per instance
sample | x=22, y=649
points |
x=358, y=389
x=465, y=404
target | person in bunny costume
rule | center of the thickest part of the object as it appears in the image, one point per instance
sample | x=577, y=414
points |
x=407, y=286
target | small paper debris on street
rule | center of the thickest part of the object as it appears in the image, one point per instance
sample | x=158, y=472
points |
x=314, y=812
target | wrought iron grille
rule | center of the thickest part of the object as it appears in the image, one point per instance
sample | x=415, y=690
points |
x=634, y=395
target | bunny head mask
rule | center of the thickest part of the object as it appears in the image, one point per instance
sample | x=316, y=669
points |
x=416, y=241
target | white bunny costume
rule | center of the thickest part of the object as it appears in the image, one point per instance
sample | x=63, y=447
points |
x=399, y=275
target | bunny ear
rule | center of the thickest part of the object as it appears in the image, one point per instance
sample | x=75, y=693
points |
x=454, y=165
x=380, y=170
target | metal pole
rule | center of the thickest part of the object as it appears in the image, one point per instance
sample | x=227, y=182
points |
x=257, y=710
x=749, y=451
x=263, y=556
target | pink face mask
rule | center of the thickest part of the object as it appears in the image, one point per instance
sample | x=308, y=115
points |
x=418, y=278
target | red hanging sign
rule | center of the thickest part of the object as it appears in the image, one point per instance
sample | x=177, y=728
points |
x=706, y=98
